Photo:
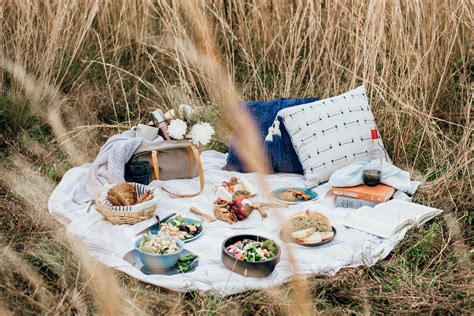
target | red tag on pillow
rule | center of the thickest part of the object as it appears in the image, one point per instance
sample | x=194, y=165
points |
x=375, y=134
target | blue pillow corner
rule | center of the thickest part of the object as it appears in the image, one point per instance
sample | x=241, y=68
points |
x=264, y=113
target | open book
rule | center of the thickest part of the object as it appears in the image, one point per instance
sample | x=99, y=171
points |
x=385, y=219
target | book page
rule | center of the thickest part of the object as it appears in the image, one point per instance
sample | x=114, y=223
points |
x=418, y=213
x=365, y=219
x=385, y=219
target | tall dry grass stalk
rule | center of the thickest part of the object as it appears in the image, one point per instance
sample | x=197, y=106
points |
x=201, y=51
x=20, y=177
x=45, y=99
x=13, y=263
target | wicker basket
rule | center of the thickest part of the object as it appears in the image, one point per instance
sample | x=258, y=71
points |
x=126, y=214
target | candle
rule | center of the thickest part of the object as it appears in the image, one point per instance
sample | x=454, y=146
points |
x=371, y=177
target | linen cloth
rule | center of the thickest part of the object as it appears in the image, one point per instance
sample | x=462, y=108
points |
x=109, y=165
x=109, y=243
x=393, y=176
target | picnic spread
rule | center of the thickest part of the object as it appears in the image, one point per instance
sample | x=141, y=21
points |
x=154, y=207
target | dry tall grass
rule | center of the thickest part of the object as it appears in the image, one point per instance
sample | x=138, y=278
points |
x=75, y=71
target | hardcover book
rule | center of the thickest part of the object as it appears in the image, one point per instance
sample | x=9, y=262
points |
x=379, y=193
x=347, y=202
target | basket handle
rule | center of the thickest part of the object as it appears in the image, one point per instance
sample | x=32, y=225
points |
x=154, y=161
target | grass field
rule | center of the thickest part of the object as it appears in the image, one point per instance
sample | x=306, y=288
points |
x=73, y=73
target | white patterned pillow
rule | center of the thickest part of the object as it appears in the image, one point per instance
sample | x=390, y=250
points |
x=331, y=133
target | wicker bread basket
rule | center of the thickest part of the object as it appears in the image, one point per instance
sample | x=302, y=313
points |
x=126, y=214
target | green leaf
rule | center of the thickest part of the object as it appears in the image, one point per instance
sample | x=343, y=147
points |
x=184, y=262
x=269, y=245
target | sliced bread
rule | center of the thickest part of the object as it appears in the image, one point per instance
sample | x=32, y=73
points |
x=303, y=233
x=326, y=235
x=314, y=238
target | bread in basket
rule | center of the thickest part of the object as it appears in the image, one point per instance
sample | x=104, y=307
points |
x=127, y=203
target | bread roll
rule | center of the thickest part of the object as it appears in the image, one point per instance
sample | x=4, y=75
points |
x=123, y=194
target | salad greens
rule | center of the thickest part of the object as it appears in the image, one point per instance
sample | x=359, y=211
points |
x=184, y=263
x=253, y=251
x=180, y=228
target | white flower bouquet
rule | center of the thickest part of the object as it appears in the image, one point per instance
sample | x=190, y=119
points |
x=183, y=125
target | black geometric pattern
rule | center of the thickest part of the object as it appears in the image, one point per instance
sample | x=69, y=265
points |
x=314, y=121
x=360, y=154
x=339, y=112
x=323, y=149
x=349, y=123
x=357, y=109
x=339, y=159
x=347, y=141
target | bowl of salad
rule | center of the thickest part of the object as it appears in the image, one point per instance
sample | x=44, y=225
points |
x=183, y=228
x=159, y=252
x=250, y=255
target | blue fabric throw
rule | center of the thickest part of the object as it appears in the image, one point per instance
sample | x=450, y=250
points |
x=264, y=113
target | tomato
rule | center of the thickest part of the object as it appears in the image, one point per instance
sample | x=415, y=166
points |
x=192, y=229
x=173, y=234
x=265, y=252
x=238, y=199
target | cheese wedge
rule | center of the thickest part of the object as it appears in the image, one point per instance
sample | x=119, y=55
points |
x=249, y=187
x=222, y=193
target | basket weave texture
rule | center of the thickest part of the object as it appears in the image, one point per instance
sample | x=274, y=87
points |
x=126, y=214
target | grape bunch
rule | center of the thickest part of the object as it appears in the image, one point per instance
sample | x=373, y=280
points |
x=240, y=210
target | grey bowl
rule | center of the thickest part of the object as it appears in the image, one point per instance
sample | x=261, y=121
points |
x=248, y=269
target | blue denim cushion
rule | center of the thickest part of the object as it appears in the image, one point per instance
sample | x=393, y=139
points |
x=264, y=113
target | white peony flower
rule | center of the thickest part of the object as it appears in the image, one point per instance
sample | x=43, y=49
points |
x=185, y=110
x=170, y=114
x=201, y=133
x=177, y=129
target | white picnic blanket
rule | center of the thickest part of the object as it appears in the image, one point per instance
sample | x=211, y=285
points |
x=109, y=243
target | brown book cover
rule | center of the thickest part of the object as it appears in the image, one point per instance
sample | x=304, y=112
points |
x=379, y=193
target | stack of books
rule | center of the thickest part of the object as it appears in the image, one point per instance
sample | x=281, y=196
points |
x=362, y=195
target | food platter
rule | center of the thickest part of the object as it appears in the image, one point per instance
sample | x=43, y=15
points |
x=189, y=221
x=308, y=228
x=277, y=194
x=232, y=202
